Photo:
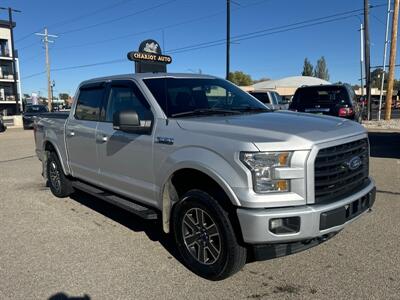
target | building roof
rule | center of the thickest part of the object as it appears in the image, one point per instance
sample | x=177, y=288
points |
x=6, y=24
x=289, y=82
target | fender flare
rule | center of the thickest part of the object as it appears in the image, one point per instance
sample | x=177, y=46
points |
x=169, y=196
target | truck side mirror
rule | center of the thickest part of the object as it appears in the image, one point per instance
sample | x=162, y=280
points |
x=129, y=121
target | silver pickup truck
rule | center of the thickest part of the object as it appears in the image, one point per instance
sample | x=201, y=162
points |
x=231, y=180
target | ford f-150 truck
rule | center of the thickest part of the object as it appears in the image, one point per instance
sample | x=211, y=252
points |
x=231, y=180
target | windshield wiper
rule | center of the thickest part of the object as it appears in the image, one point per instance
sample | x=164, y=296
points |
x=252, y=109
x=205, y=111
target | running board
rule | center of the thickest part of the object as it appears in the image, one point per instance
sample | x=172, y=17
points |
x=135, y=208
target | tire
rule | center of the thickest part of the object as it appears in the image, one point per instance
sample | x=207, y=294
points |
x=212, y=250
x=59, y=184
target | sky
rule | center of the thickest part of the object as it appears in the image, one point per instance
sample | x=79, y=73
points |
x=91, y=32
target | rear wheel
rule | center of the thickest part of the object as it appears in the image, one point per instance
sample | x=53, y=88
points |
x=205, y=237
x=59, y=184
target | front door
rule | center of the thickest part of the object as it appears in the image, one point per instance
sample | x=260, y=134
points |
x=81, y=132
x=126, y=159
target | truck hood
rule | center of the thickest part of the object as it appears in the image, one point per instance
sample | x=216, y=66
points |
x=275, y=130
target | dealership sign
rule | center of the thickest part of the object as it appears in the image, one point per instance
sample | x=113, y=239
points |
x=149, y=58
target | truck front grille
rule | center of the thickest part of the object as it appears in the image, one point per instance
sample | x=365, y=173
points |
x=341, y=170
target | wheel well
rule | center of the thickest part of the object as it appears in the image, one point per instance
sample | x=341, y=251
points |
x=185, y=180
x=49, y=147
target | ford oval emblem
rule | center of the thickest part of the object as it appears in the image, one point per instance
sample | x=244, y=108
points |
x=354, y=163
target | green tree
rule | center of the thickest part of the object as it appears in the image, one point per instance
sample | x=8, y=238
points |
x=376, y=77
x=63, y=96
x=321, y=70
x=240, y=78
x=307, y=68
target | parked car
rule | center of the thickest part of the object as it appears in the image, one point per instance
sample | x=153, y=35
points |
x=334, y=100
x=230, y=179
x=3, y=127
x=31, y=111
x=270, y=98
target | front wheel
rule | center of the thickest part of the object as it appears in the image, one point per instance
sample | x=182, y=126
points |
x=205, y=237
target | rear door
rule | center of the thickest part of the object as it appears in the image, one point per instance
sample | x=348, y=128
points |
x=126, y=159
x=81, y=132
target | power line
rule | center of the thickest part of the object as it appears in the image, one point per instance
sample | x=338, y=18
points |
x=119, y=18
x=161, y=28
x=71, y=20
x=90, y=65
x=33, y=75
x=246, y=36
x=95, y=12
x=274, y=28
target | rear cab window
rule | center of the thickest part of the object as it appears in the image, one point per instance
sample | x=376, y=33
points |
x=263, y=97
x=89, y=102
x=321, y=95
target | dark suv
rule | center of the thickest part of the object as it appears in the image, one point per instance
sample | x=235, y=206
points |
x=31, y=111
x=335, y=100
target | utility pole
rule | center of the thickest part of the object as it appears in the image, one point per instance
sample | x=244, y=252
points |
x=392, y=61
x=384, y=59
x=362, y=58
x=228, y=37
x=46, y=42
x=15, y=75
x=367, y=56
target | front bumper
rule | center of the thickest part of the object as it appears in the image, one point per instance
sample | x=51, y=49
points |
x=316, y=220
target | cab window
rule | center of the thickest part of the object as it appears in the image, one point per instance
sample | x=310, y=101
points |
x=89, y=102
x=126, y=96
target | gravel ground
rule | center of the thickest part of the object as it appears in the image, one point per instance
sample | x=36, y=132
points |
x=81, y=246
x=383, y=124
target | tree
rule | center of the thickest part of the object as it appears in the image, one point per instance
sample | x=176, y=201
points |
x=376, y=78
x=240, y=78
x=63, y=96
x=307, y=68
x=321, y=70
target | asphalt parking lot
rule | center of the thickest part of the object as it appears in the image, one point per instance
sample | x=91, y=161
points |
x=83, y=248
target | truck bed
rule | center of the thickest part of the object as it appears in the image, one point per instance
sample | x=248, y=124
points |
x=51, y=127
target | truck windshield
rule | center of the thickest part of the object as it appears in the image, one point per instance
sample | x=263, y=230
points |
x=180, y=97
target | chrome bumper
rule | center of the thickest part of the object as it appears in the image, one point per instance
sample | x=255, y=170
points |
x=316, y=220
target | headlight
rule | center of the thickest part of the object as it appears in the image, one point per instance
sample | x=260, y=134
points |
x=262, y=166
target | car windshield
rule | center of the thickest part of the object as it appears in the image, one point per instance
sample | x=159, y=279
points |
x=321, y=95
x=36, y=109
x=278, y=98
x=181, y=97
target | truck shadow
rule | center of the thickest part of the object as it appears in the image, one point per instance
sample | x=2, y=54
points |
x=385, y=144
x=152, y=228
x=63, y=296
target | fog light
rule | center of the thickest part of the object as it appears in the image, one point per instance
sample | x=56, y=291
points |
x=284, y=225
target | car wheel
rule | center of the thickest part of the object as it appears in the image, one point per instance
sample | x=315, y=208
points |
x=205, y=237
x=59, y=184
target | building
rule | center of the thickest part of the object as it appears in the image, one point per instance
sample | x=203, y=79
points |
x=7, y=94
x=288, y=85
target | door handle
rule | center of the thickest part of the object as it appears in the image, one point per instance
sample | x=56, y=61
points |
x=102, y=138
x=71, y=133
